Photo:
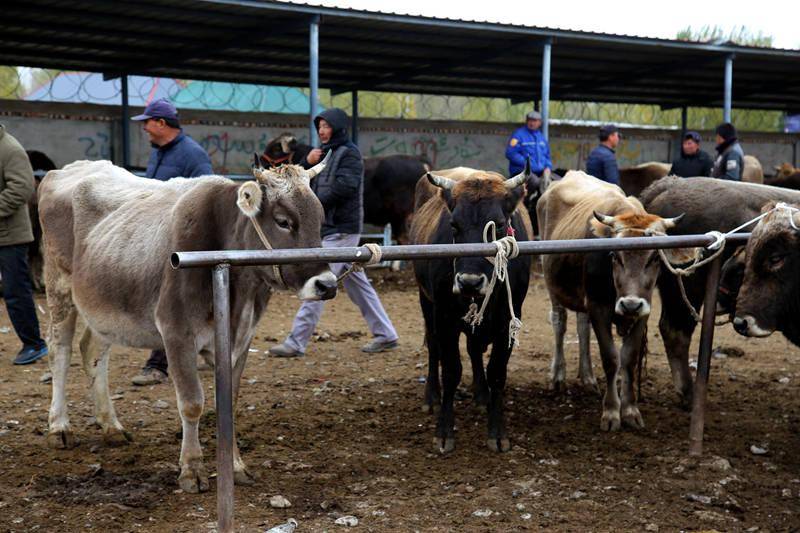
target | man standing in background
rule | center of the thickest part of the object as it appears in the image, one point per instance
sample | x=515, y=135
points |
x=602, y=162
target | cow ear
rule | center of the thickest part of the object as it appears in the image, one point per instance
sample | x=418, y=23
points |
x=249, y=198
x=512, y=199
x=447, y=195
x=769, y=206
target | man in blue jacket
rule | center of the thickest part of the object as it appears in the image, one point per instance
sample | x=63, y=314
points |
x=528, y=142
x=174, y=155
x=602, y=161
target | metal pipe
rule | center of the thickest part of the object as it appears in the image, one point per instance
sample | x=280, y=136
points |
x=548, y=44
x=433, y=251
x=313, y=77
x=684, y=120
x=354, y=133
x=224, y=397
x=726, y=111
x=704, y=360
x=126, y=125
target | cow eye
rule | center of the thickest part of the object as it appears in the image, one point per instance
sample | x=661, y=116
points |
x=283, y=222
x=775, y=261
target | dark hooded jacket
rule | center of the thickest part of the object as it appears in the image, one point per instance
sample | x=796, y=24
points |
x=689, y=166
x=340, y=186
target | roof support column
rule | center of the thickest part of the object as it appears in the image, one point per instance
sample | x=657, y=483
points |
x=126, y=124
x=546, y=88
x=726, y=111
x=313, y=82
x=354, y=133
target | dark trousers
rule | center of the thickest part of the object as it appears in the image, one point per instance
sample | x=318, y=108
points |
x=18, y=294
x=158, y=360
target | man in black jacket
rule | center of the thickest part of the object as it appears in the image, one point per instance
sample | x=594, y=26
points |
x=729, y=164
x=693, y=161
x=340, y=188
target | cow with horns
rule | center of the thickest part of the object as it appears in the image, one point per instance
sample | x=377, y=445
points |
x=614, y=288
x=108, y=236
x=461, y=205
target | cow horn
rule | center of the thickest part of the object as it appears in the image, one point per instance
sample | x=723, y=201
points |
x=314, y=171
x=522, y=177
x=670, y=223
x=605, y=219
x=259, y=173
x=257, y=161
x=440, y=181
x=285, y=144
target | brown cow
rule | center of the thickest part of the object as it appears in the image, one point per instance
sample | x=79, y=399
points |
x=634, y=180
x=787, y=177
x=108, y=236
x=614, y=289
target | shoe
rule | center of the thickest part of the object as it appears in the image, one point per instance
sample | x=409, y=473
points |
x=282, y=350
x=377, y=346
x=30, y=355
x=150, y=376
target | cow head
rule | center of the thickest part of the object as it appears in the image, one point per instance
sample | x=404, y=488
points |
x=289, y=215
x=785, y=170
x=473, y=202
x=768, y=297
x=635, y=271
x=730, y=279
x=279, y=150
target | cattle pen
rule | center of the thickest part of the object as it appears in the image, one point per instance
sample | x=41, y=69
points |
x=222, y=261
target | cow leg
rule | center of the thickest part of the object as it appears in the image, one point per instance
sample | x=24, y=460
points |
x=497, y=372
x=629, y=359
x=480, y=389
x=585, y=372
x=601, y=323
x=94, y=351
x=447, y=337
x=182, y=360
x=433, y=391
x=558, y=366
x=62, y=330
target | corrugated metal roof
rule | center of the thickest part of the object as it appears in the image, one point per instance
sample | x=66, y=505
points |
x=266, y=42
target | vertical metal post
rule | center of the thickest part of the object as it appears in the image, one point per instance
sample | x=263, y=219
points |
x=704, y=360
x=548, y=44
x=224, y=397
x=313, y=81
x=126, y=123
x=684, y=120
x=726, y=111
x=354, y=133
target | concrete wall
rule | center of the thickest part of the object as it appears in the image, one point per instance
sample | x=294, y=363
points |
x=67, y=132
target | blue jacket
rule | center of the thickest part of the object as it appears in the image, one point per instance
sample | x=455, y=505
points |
x=525, y=143
x=602, y=164
x=182, y=157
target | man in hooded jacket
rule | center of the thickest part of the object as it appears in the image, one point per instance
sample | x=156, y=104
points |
x=340, y=188
x=730, y=159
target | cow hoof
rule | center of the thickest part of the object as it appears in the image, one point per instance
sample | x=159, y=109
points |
x=632, y=417
x=610, y=421
x=430, y=408
x=445, y=445
x=243, y=477
x=61, y=440
x=685, y=401
x=117, y=437
x=193, y=478
x=590, y=384
x=498, y=445
x=557, y=386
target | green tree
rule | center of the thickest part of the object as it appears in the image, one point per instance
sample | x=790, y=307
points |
x=715, y=34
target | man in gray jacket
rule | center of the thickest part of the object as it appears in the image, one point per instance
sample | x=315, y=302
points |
x=730, y=157
x=16, y=188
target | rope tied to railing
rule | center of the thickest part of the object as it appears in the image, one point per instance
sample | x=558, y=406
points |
x=374, y=259
x=507, y=248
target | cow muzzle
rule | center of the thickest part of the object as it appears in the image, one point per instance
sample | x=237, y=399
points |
x=746, y=325
x=470, y=284
x=319, y=287
x=633, y=306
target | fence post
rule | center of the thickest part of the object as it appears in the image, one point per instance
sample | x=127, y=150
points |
x=548, y=44
x=224, y=397
x=126, y=125
x=313, y=81
x=704, y=360
x=726, y=111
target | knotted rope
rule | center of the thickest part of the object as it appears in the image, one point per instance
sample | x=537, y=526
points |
x=507, y=248
x=377, y=253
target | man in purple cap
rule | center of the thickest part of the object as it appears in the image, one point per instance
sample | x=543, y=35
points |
x=174, y=155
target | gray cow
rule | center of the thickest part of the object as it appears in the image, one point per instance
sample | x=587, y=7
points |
x=107, y=239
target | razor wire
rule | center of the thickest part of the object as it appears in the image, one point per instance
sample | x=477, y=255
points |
x=24, y=83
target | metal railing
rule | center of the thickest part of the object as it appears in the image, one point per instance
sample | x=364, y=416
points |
x=221, y=261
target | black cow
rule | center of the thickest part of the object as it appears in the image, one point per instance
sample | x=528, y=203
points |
x=769, y=299
x=454, y=207
x=389, y=182
x=709, y=204
x=41, y=165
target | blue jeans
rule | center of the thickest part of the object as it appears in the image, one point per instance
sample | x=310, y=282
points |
x=18, y=294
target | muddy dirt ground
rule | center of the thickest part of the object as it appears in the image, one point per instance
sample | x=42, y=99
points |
x=342, y=433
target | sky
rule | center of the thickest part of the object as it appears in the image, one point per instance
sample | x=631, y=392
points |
x=629, y=17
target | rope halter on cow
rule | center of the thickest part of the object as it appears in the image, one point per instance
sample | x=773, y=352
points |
x=374, y=259
x=507, y=248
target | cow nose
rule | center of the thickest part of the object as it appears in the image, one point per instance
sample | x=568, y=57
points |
x=631, y=306
x=326, y=288
x=740, y=325
x=470, y=283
